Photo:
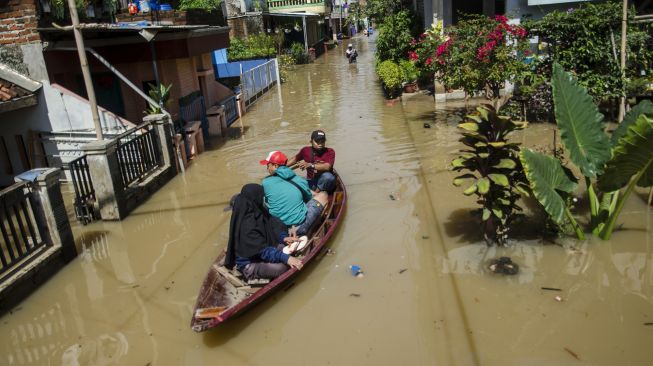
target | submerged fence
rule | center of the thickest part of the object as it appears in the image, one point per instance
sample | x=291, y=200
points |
x=21, y=228
x=258, y=80
x=84, y=191
x=138, y=153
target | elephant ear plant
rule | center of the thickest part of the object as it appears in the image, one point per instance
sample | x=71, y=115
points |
x=591, y=151
x=491, y=164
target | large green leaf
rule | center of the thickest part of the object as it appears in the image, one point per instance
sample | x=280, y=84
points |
x=632, y=155
x=546, y=177
x=644, y=107
x=581, y=124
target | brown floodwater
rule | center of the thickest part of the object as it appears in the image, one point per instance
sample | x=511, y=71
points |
x=427, y=297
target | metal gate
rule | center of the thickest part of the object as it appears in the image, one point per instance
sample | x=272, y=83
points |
x=85, y=200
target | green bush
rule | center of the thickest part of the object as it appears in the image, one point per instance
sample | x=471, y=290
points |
x=391, y=76
x=199, y=4
x=394, y=37
x=298, y=54
x=286, y=62
x=409, y=71
x=253, y=47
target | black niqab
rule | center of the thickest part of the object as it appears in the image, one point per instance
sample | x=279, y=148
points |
x=252, y=228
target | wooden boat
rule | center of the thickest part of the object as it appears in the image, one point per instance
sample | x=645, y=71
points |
x=225, y=294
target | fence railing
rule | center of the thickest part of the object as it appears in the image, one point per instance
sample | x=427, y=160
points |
x=20, y=226
x=84, y=191
x=291, y=3
x=230, y=109
x=258, y=80
x=137, y=153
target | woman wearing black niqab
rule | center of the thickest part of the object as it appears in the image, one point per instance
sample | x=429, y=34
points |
x=254, y=236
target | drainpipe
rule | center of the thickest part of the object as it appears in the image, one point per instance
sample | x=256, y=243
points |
x=86, y=73
x=305, y=35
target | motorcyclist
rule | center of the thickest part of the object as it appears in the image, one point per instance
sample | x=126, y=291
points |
x=351, y=53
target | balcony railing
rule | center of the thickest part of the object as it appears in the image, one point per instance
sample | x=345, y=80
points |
x=277, y=4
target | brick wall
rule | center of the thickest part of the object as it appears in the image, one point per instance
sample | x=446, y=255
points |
x=18, y=23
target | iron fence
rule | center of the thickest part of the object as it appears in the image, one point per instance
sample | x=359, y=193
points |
x=257, y=81
x=138, y=153
x=84, y=192
x=21, y=228
x=230, y=109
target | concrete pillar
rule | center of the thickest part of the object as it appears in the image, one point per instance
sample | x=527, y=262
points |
x=164, y=131
x=49, y=204
x=105, y=172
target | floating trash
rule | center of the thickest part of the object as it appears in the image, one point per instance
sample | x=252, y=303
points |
x=356, y=270
x=504, y=265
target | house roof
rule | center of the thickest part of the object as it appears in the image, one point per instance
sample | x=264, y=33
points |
x=16, y=90
x=289, y=14
x=106, y=34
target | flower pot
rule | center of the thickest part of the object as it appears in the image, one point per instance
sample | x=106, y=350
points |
x=391, y=102
x=410, y=87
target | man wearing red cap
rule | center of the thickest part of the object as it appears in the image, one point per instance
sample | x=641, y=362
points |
x=318, y=161
x=288, y=196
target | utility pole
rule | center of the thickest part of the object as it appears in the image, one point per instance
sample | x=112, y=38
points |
x=624, y=29
x=86, y=73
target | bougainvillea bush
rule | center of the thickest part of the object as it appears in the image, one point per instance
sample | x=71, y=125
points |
x=480, y=53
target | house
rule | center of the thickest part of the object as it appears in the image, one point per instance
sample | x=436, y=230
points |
x=125, y=57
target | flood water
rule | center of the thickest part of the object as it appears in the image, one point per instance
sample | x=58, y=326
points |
x=427, y=297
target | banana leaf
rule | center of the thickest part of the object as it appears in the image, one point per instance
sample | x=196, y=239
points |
x=547, y=177
x=644, y=107
x=581, y=124
x=633, y=155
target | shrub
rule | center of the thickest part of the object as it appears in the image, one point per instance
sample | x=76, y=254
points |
x=491, y=164
x=298, y=53
x=391, y=76
x=253, y=47
x=394, y=37
x=286, y=62
x=409, y=71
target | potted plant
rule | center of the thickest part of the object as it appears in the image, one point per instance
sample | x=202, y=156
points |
x=391, y=76
x=410, y=74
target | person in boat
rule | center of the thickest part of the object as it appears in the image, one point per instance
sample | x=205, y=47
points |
x=288, y=195
x=351, y=53
x=256, y=238
x=317, y=160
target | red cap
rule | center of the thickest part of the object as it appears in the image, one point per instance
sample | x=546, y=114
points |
x=275, y=157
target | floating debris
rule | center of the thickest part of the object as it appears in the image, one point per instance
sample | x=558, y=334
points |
x=572, y=353
x=330, y=252
x=550, y=289
x=504, y=265
x=356, y=270
x=355, y=295
x=425, y=237
x=558, y=298
x=648, y=323
x=403, y=270
x=426, y=125
x=392, y=197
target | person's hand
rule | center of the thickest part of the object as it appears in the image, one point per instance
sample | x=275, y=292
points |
x=295, y=263
x=288, y=240
x=303, y=165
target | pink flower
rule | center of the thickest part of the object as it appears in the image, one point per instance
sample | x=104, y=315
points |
x=501, y=19
x=428, y=61
x=413, y=56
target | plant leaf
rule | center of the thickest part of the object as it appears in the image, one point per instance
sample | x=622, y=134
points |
x=469, y=126
x=461, y=178
x=581, y=124
x=547, y=177
x=506, y=164
x=644, y=107
x=486, y=214
x=499, y=179
x=483, y=185
x=633, y=153
x=470, y=190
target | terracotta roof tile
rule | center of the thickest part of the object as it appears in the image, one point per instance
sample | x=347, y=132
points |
x=9, y=91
